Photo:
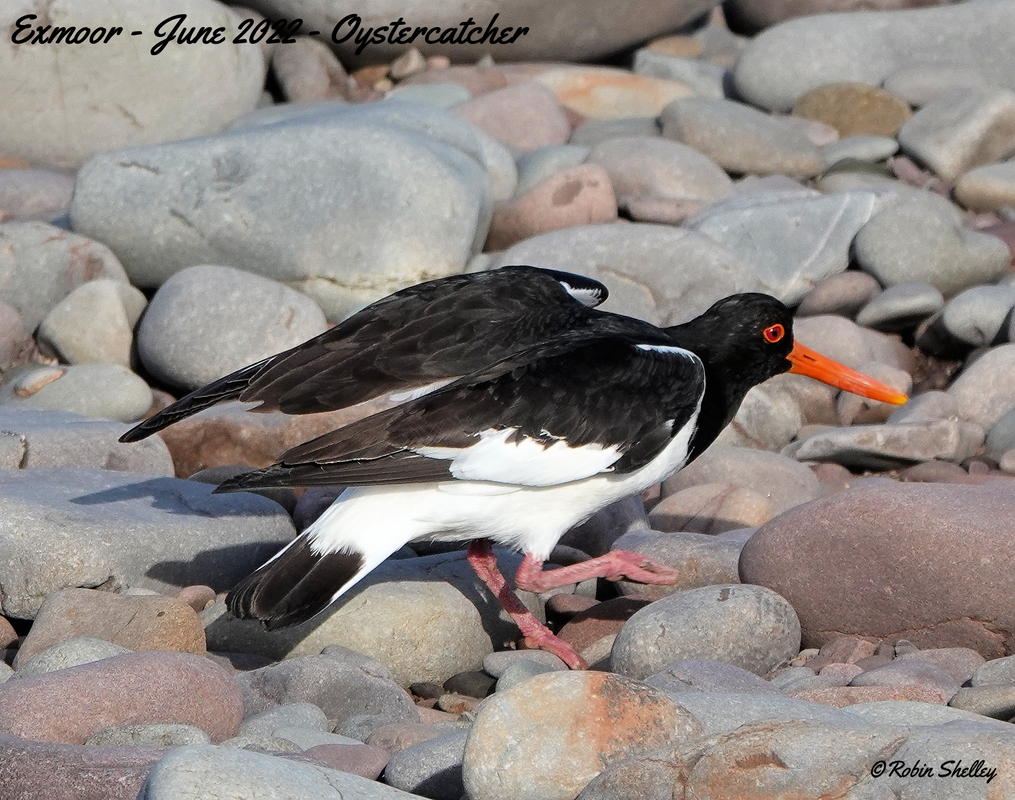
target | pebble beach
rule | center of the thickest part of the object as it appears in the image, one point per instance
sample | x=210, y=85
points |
x=188, y=187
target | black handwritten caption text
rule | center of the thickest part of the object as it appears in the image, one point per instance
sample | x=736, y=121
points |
x=279, y=31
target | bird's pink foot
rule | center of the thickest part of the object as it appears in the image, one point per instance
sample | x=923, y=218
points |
x=615, y=565
x=545, y=640
x=535, y=634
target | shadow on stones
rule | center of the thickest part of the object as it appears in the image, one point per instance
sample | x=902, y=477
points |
x=166, y=495
x=220, y=568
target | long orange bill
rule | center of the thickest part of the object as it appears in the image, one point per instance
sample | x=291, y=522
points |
x=814, y=365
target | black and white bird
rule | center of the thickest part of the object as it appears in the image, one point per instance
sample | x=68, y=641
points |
x=521, y=421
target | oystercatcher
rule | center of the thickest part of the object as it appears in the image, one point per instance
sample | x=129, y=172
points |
x=593, y=408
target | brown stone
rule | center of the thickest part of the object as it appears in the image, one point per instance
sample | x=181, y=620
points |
x=906, y=673
x=36, y=770
x=525, y=116
x=791, y=760
x=135, y=622
x=600, y=621
x=7, y=633
x=580, y=195
x=844, y=294
x=934, y=471
x=711, y=508
x=924, y=562
x=549, y=736
x=228, y=435
x=842, y=650
x=607, y=93
x=843, y=673
x=69, y=705
x=359, y=759
x=854, y=109
x=959, y=662
x=397, y=736
x=197, y=597
x=842, y=696
x=566, y=606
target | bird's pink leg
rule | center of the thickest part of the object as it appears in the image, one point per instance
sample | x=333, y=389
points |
x=537, y=635
x=615, y=565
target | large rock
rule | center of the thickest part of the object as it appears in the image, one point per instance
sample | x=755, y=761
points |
x=72, y=772
x=69, y=705
x=926, y=242
x=426, y=618
x=741, y=139
x=344, y=684
x=754, y=15
x=227, y=435
x=663, y=274
x=549, y=736
x=35, y=438
x=749, y=626
x=552, y=33
x=891, y=446
x=102, y=390
x=59, y=112
x=983, y=392
x=68, y=653
x=64, y=528
x=343, y=231
x=136, y=623
x=782, y=63
x=962, y=130
x=208, y=321
x=95, y=322
x=41, y=264
x=649, y=169
x=200, y=771
x=785, y=482
x=924, y=562
x=793, y=241
x=581, y=195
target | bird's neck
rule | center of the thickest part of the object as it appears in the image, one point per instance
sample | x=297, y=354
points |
x=724, y=389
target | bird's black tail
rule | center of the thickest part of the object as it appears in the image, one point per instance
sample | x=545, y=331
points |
x=295, y=585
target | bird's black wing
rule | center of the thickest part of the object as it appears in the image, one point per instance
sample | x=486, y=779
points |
x=587, y=406
x=428, y=333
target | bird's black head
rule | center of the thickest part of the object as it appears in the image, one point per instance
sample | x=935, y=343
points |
x=743, y=339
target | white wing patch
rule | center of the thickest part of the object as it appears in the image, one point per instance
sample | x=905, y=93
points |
x=588, y=297
x=526, y=462
x=661, y=348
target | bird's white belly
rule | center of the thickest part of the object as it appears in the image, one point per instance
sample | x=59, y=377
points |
x=377, y=520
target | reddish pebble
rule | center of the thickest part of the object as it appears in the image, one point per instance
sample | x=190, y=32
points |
x=525, y=116
x=581, y=195
x=359, y=759
x=144, y=622
x=69, y=705
x=197, y=597
x=7, y=633
x=30, y=770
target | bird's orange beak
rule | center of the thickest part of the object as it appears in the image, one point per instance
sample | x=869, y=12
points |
x=814, y=365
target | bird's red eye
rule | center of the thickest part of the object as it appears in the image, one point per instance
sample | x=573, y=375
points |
x=774, y=333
